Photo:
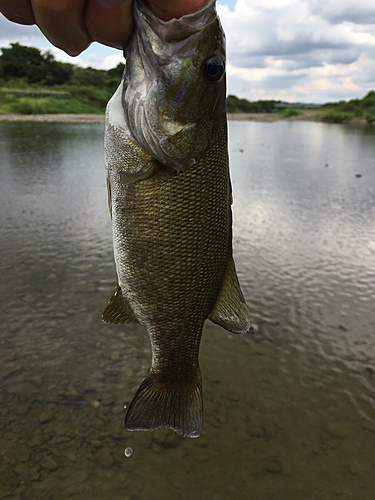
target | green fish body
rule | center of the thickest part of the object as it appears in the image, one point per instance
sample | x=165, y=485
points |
x=170, y=202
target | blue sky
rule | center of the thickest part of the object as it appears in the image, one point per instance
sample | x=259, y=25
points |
x=294, y=50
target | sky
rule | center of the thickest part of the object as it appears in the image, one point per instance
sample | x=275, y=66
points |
x=293, y=50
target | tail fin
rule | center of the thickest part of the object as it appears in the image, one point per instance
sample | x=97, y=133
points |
x=156, y=404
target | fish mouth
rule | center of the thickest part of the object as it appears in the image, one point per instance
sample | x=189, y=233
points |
x=177, y=31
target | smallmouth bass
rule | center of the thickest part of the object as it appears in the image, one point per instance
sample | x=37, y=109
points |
x=170, y=202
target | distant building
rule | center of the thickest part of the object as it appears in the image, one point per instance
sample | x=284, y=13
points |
x=283, y=105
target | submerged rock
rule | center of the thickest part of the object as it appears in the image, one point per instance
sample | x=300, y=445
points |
x=338, y=429
x=272, y=465
x=36, y=441
x=48, y=462
x=22, y=470
x=46, y=415
x=104, y=458
x=256, y=431
x=167, y=439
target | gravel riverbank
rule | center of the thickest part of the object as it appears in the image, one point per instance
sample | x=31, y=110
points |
x=61, y=118
x=310, y=115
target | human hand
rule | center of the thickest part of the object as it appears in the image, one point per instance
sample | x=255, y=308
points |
x=72, y=25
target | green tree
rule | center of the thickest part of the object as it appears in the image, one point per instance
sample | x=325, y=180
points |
x=58, y=73
x=236, y=105
x=19, y=61
x=90, y=77
x=117, y=71
x=369, y=99
x=97, y=78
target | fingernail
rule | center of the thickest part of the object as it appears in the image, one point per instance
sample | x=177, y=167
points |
x=110, y=4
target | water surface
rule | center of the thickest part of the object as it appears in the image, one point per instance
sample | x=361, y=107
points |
x=289, y=409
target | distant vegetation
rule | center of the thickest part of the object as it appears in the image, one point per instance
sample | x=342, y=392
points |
x=289, y=113
x=343, y=111
x=32, y=82
x=349, y=110
x=236, y=105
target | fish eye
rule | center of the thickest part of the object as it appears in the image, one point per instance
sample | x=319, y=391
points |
x=213, y=68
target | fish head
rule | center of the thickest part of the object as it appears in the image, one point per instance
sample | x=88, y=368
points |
x=174, y=84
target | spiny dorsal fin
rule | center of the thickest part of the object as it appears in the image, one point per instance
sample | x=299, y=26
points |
x=230, y=310
x=118, y=311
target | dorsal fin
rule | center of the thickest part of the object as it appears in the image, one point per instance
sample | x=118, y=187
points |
x=118, y=310
x=230, y=310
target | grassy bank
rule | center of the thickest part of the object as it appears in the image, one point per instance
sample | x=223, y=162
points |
x=32, y=82
x=361, y=111
x=19, y=98
x=353, y=110
x=92, y=101
x=42, y=100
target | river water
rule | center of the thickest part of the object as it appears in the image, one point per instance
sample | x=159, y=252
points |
x=289, y=409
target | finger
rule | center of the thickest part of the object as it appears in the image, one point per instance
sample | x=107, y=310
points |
x=61, y=21
x=109, y=21
x=17, y=11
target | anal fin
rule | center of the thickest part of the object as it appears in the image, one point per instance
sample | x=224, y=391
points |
x=230, y=310
x=118, y=310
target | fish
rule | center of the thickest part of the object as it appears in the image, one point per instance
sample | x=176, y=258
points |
x=169, y=192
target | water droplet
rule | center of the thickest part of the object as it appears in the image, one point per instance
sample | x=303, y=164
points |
x=128, y=451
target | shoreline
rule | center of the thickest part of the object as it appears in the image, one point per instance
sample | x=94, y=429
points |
x=78, y=118
x=56, y=118
x=306, y=115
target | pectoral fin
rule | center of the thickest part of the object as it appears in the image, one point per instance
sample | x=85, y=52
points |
x=230, y=310
x=109, y=196
x=118, y=310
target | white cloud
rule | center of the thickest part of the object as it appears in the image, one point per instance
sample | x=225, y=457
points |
x=308, y=50
x=298, y=50
x=337, y=11
x=101, y=62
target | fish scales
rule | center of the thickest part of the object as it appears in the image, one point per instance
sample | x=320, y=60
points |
x=175, y=263
x=171, y=221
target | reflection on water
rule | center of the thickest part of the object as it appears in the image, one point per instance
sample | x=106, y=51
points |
x=289, y=410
